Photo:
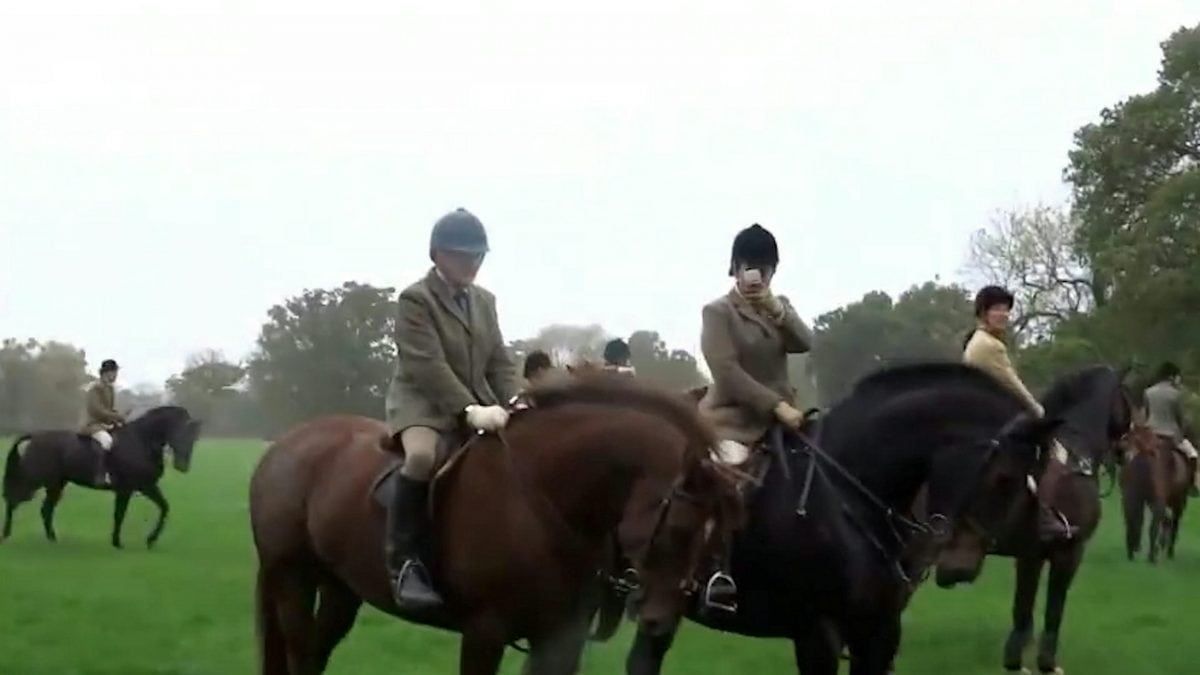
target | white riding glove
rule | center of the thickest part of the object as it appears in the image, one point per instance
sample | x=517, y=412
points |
x=486, y=417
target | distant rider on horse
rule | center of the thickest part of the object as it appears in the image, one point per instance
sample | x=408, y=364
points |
x=452, y=368
x=617, y=357
x=101, y=417
x=1164, y=407
x=986, y=349
x=746, y=337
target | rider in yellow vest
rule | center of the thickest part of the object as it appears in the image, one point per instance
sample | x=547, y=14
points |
x=101, y=416
x=452, y=368
x=986, y=349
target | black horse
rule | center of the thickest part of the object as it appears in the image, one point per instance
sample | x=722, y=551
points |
x=1097, y=415
x=822, y=560
x=54, y=458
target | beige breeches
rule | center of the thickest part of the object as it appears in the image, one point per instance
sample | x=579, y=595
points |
x=1186, y=447
x=420, y=452
x=105, y=439
x=731, y=452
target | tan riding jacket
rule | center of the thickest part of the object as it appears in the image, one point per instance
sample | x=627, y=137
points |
x=447, y=359
x=989, y=354
x=1164, y=403
x=100, y=411
x=747, y=355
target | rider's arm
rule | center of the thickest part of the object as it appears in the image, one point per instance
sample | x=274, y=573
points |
x=797, y=338
x=991, y=356
x=501, y=372
x=716, y=343
x=98, y=410
x=421, y=352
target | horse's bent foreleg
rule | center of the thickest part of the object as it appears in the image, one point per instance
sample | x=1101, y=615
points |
x=815, y=653
x=10, y=507
x=1029, y=577
x=559, y=653
x=1062, y=571
x=337, y=609
x=648, y=652
x=53, y=494
x=155, y=495
x=120, y=506
x=482, y=647
x=873, y=645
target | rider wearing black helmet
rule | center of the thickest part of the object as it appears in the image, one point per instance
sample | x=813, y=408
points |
x=101, y=416
x=986, y=349
x=452, y=368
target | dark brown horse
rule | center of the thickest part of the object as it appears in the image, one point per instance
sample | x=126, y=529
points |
x=1155, y=476
x=523, y=524
x=1097, y=414
x=54, y=458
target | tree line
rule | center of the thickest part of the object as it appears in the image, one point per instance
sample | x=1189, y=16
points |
x=1113, y=276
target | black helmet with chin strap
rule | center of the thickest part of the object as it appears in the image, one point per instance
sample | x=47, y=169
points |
x=108, y=366
x=459, y=231
x=754, y=246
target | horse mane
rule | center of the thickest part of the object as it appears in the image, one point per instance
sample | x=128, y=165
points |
x=888, y=380
x=1068, y=389
x=607, y=389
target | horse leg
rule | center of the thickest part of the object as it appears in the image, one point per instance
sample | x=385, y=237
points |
x=648, y=651
x=10, y=507
x=1062, y=571
x=120, y=505
x=1135, y=511
x=295, y=595
x=873, y=645
x=1158, y=519
x=560, y=652
x=53, y=494
x=336, y=610
x=155, y=495
x=1029, y=577
x=1176, y=525
x=482, y=646
x=272, y=647
x=814, y=652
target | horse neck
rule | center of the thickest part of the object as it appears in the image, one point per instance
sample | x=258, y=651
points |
x=894, y=453
x=1086, y=419
x=151, y=430
x=595, y=500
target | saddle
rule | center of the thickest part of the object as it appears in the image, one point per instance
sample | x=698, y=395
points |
x=453, y=445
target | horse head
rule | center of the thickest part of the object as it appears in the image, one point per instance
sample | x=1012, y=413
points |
x=174, y=427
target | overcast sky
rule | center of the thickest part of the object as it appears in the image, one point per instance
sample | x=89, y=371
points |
x=165, y=177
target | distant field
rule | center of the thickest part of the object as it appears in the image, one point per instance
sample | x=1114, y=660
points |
x=82, y=608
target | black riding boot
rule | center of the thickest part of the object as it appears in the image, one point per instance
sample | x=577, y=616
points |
x=408, y=525
x=1192, y=490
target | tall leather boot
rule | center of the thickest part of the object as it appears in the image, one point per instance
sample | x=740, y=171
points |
x=407, y=528
x=1052, y=524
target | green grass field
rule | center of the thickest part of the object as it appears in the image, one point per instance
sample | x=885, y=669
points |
x=79, y=607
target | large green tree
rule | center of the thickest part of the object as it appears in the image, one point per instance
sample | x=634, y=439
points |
x=1135, y=176
x=209, y=387
x=325, y=351
x=927, y=322
x=41, y=384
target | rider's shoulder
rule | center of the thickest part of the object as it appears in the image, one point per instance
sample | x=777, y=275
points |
x=720, y=304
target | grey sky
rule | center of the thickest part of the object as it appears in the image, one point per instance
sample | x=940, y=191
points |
x=228, y=156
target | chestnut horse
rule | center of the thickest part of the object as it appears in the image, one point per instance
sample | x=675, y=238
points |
x=524, y=524
x=1156, y=475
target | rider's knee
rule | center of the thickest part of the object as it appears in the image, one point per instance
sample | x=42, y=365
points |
x=420, y=452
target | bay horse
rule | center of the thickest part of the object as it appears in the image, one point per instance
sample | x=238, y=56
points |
x=823, y=558
x=52, y=459
x=524, y=525
x=1097, y=415
x=1155, y=476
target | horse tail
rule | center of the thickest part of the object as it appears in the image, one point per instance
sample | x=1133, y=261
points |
x=13, y=485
